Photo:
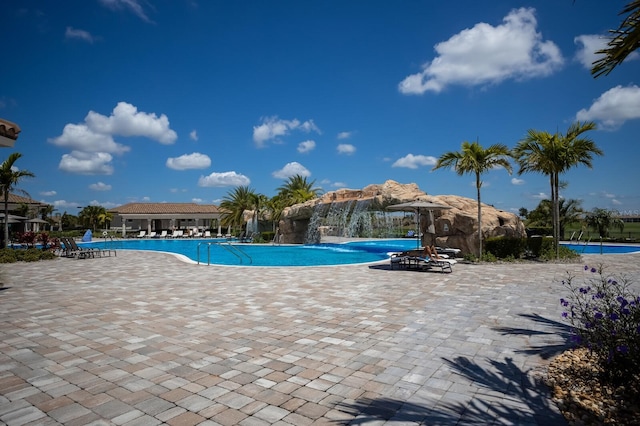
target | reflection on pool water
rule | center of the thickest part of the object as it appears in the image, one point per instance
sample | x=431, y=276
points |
x=219, y=252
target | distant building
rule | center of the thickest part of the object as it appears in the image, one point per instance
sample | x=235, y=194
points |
x=165, y=216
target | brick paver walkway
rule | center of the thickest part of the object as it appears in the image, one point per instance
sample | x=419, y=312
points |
x=145, y=339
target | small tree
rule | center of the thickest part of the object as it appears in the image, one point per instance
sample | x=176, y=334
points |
x=9, y=178
x=602, y=220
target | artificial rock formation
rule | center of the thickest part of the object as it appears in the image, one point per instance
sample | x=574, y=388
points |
x=455, y=227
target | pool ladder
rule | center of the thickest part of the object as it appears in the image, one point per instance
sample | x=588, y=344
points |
x=237, y=252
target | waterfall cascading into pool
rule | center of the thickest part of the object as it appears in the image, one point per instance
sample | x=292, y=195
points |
x=347, y=219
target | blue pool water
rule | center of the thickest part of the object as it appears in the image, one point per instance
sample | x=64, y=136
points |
x=606, y=248
x=266, y=255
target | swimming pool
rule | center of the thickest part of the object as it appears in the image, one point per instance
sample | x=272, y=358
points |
x=595, y=248
x=219, y=252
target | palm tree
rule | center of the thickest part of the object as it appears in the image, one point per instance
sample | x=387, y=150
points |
x=105, y=218
x=553, y=155
x=298, y=190
x=90, y=216
x=242, y=198
x=9, y=178
x=601, y=220
x=625, y=40
x=473, y=158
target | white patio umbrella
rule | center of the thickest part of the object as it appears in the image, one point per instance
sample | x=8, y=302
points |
x=418, y=206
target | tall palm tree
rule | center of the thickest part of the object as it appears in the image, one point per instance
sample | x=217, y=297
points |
x=234, y=204
x=473, y=158
x=553, y=155
x=625, y=40
x=9, y=178
x=298, y=190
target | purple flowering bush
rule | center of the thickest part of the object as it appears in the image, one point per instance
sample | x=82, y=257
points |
x=605, y=318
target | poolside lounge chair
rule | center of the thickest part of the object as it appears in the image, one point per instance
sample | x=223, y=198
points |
x=152, y=234
x=73, y=250
x=142, y=234
x=207, y=234
x=163, y=234
x=178, y=233
x=415, y=259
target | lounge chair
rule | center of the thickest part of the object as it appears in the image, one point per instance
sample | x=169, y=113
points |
x=163, y=234
x=415, y=259
x=178, y=233
x=142, y=234
x=207, y=234
x=152, y=234
x=80, y=252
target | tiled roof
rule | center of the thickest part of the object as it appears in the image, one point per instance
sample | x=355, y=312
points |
x=165, y=208
x=17, y=199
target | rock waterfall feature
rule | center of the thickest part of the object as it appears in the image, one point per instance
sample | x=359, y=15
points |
x=361, y=213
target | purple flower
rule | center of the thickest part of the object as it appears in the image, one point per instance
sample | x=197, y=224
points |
x=594, y=270
x=586, y=267
x=599, y=315
x=565, y=314
x=614, y=316
x=564, y=302
x=622, y=349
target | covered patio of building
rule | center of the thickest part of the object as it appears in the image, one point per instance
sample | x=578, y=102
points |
x=168, y=216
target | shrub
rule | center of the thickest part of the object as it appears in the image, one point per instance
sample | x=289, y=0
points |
x=548, y=253
x=605, y=317
x=505, y=247
x=8, y=255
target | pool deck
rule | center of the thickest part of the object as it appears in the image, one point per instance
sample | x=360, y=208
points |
x=144, y=339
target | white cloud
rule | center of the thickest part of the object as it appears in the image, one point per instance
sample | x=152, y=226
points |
x=344, y=135
x=79, y=137
x=92, y=142
x=273, y=127
x=291, y=169
x=196, y=200
x=306, y=146
x=64, y=206
x=516, y=181
x=126, y=120
x=588, y=45
x=193, y=135
x=189, y=161
x=74, y=33
x=223, y=179
x=345, y=148
x=48, y=193
x=486, y=54
x=99, y=186
x=87, y=163
x=615, y=202
x=133, y=6
x=411, y=161
x=540, y=196
x=613, y=107
x=339, y=185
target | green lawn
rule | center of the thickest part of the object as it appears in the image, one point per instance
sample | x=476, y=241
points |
x=631, y=232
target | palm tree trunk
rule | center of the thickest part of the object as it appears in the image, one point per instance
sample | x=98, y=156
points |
x=6, y=218
x=556, y=212
x=478, y=184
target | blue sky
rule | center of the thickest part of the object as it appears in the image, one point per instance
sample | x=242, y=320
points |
x=181, y=100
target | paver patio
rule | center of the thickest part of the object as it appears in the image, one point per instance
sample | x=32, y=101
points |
x=144, y=339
